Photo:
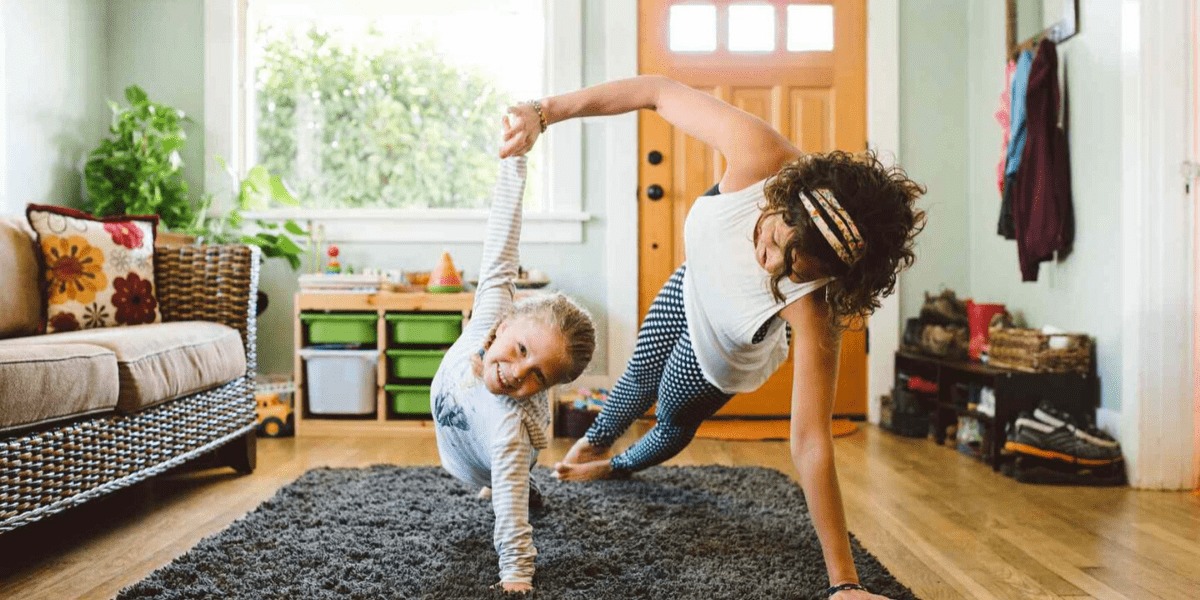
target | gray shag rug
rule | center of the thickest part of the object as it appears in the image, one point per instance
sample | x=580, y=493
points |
x=390, y=532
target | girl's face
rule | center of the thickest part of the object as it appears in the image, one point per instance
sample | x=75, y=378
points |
x=526, y=357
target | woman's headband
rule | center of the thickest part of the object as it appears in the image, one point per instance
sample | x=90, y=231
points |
x=849, y=247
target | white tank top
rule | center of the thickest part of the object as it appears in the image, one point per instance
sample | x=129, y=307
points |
x=727, y=294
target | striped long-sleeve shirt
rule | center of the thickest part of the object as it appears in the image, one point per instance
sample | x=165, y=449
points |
x=485, y=439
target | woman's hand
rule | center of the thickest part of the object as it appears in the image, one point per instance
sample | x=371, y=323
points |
x=857, y=595
x=521, y=129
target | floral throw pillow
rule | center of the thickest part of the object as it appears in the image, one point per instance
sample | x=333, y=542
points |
x=96, y=272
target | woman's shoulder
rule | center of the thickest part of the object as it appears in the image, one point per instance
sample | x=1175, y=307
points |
x=754, y=171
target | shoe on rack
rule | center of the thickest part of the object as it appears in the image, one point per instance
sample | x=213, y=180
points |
x=1032, y=469
x=1033, y=437
x=1081, y=427
x=987, y=402
x=944, y=309
x=916, y=383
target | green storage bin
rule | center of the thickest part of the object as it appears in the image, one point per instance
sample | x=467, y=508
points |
x=409, y=399
x=341, y=328
x=415, y=364
x=418, y=328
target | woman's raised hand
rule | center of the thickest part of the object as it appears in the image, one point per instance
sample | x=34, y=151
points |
x=521, y=129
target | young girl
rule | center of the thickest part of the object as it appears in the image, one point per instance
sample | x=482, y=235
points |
x=785, y=242
x=489, y=400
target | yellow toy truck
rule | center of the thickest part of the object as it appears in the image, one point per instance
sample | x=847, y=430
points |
x=274, y=398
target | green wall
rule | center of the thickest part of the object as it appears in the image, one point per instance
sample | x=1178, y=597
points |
x=54, y=108
x=159, y=46
x=933, y=143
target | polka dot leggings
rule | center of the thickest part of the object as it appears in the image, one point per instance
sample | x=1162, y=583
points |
x=663, y=367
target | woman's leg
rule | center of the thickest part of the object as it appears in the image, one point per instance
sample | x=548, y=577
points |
x=685, y=400
x=637, y=388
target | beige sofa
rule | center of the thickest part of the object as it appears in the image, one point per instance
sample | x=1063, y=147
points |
x=83, y=413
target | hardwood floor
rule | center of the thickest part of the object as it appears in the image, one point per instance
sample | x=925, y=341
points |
x=944, y=524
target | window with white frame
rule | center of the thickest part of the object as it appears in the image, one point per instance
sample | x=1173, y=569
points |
x=389, y=110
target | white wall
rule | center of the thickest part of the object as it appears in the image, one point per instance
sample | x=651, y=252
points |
x=1082, y=292
x=54, y=109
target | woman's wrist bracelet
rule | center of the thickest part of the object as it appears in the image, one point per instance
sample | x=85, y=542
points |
x=537, y=108
x=841, y=587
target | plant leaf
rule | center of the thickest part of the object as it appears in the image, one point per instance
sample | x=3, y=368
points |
x=293, y=228
x=135, y=94
x=280, y=192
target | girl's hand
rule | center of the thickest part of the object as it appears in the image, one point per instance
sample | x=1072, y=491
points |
x=515, y=588
x=521, y=129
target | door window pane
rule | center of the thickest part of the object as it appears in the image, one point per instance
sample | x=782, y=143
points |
x=751, y=27
x=693, y=28
x=809, y=27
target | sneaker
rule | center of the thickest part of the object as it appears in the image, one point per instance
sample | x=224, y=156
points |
x=1082, y=428
x=1035, y=438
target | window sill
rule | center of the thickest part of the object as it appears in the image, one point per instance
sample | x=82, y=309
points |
x=424, y=226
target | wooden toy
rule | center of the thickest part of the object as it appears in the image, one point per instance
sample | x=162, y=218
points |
x=445, y=278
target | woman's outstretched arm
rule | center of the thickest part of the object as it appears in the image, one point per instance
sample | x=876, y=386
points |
x=752, y=148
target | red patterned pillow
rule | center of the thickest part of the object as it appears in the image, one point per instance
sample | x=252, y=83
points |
x=96, y=272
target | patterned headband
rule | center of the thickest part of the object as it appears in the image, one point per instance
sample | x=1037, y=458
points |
x=851, y=249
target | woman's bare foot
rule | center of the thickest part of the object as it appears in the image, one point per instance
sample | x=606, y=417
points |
x=588, y=471
x=584, y=452
x=485, y=493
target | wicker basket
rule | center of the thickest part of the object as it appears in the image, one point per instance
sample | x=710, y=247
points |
x=1029, y=350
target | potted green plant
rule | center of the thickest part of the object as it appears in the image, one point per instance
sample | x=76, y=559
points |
x=259, y=190
x=138, y=170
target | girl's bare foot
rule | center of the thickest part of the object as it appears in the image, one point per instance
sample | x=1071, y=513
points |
x=584, y=452
x=588, y=471
x=485, y=493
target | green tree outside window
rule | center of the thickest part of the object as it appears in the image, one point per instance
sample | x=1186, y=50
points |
x=373, y=124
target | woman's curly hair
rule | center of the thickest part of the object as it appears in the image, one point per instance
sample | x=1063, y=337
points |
x=881, y=202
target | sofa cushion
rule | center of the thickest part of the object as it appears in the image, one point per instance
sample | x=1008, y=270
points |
x=22, y=314
x=41, y=383
x=98, y=272
x=162, y=361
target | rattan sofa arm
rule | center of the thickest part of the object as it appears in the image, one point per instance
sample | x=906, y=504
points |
x=217, y=283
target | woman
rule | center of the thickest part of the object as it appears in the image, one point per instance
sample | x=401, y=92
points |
x=779, y=226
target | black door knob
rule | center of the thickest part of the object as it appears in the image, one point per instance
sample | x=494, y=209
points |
x=655, y=191
x=654, y=157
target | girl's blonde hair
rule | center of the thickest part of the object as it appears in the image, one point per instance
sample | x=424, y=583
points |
x=568, y=317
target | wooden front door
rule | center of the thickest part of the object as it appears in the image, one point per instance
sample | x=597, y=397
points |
x=803, y=70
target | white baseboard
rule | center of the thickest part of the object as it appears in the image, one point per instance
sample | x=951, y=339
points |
x=1109, y=421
